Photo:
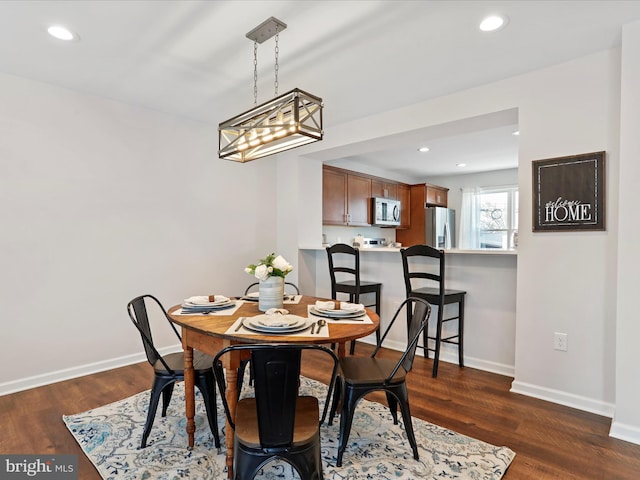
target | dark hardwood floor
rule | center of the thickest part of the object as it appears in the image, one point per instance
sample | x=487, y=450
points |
x=550, y=441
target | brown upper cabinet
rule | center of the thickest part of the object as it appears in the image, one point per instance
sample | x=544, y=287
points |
x=345, y=197
x=358, y=200
x=435, y=196
x=334, y=197
x=383, y=189
x=404, y=195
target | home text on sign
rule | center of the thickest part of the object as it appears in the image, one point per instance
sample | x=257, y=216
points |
x=562, y=210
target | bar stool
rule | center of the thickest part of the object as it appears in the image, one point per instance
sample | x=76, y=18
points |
x=430, y=267
x=346, y=263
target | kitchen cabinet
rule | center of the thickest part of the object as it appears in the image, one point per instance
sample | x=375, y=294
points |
x=334, y=197
x=421, y=195
x=345, y=197
x=358, y=200
x=435, y=196
x=383, y=189
x=404, y=195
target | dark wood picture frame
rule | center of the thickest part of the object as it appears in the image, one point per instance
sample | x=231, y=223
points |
x=569, y=193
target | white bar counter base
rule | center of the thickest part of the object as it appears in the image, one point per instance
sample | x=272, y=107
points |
x=488, y=277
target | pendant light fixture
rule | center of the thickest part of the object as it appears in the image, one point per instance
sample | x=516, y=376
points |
x=285, y=122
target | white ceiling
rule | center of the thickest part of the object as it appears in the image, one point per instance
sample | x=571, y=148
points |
x=477, y=144
x=192, y=59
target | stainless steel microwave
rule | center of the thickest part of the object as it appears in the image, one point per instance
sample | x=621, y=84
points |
x=385, y=212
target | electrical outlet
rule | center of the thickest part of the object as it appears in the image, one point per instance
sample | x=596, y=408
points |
x=560, y=341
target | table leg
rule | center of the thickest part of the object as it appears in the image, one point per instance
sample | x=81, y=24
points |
x=341, y=350
x=189, y=394
x=231, y=368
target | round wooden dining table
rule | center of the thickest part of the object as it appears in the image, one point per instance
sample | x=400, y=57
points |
x=211, y=333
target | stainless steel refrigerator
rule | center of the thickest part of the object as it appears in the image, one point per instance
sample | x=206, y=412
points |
x=440, y=227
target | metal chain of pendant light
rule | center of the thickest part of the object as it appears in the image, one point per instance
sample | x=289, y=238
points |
x=255, y=68
x=285, y=122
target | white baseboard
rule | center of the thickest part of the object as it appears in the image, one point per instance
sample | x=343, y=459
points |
x=79, y=371
x=624, y=432
x=450, y=355
x=563, y=398
x=618, y=430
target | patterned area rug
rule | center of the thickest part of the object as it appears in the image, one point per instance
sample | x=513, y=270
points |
x=378, y=449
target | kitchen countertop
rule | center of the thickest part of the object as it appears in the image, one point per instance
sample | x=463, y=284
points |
x=450, y=251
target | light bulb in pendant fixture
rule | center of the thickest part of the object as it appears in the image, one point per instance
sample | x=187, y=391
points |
x=254, y=140
x=267, y=134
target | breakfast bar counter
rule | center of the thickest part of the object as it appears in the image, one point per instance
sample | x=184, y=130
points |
x=452, y=251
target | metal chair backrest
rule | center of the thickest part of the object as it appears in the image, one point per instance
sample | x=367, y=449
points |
x=139, y=314
x=276, y=369
x=276, y=374
x=286, y=284
x=418, y=312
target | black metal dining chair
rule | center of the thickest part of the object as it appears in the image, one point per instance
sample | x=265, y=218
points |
x=169, y=369
x=344, y=271
x=276, y=421
x=425, y=264
x=359, y=376
x=243, y=365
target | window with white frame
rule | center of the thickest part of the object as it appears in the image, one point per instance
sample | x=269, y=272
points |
x=489, y=217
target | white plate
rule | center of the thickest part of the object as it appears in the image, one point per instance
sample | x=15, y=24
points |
x=255, y=296
x=252, y=297
x=282, y=321
x=276, y=321
x=340, y=313
x=204, y=300
x=295, y=324
x=207, y=308
x=332, y=314
x=191, y=303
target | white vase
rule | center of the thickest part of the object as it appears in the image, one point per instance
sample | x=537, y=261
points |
x=271, y=293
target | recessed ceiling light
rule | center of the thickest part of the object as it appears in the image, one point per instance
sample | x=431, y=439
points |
x=493, y=23
x=460, y=165
x=423, y=149
x=516, y=133
x=62, y=33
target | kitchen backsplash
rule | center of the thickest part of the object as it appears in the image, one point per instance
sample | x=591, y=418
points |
x=339, y=234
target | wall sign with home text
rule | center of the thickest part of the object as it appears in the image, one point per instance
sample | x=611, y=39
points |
x=569, y=193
